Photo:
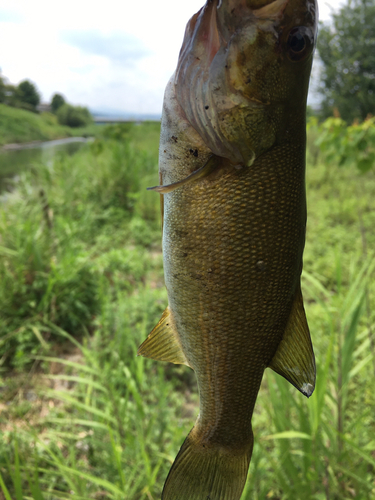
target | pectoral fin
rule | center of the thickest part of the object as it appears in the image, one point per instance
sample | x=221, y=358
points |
x=162, y=343
x=210, y=166
x=294, y=358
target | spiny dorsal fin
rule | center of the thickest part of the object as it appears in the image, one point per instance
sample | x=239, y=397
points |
x=162, y=343
x=294, y=358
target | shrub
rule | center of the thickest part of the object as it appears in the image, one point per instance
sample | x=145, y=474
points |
x=73, y=116
x=57, y=101
x=28, y=94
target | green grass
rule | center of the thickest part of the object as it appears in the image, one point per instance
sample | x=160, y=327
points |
x=81, y=285
x=18, y=125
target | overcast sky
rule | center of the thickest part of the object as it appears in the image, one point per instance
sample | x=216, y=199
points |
x=111, y=55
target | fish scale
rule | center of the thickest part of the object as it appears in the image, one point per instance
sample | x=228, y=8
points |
x=234, y=215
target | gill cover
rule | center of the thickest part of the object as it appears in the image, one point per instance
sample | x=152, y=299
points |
x=234, y=74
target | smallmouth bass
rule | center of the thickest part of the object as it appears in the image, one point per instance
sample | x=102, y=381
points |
x=232, y=184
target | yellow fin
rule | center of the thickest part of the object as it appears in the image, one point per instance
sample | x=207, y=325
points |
x=294, y=358
x=162, y=343
x=204, y=471
x=210, y=166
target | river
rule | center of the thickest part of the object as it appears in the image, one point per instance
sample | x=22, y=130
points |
x=15, y=158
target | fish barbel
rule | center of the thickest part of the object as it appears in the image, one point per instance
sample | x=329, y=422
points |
x=232, y=184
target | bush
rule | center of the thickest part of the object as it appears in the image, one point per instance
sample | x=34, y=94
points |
x=43, y=281
x=57, y=101
x=73, y=116
x=28, y=94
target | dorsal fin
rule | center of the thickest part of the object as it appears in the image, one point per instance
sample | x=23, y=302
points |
x=294, y=358
x=162, y=343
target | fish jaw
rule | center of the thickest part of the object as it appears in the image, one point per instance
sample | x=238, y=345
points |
x=236, y=79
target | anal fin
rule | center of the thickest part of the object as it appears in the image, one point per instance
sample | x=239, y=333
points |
x=294, y=358
x=162, y=343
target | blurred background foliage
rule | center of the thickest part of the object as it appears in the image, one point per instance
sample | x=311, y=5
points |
x=81, y=286
x=346, y=49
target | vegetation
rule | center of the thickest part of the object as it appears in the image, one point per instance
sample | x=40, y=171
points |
x=73, y=116
x=347, y=51
x=27, y=97
x=28, y=94
x=56, y=102
x=18, y=125
x=81, y=285
x=344, y=145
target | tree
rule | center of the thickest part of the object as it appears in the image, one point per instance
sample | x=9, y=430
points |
x=57, y=101
x=73, y=116
x=2, y=90
x=347, y=51
x=28, y=94
x=11, y=96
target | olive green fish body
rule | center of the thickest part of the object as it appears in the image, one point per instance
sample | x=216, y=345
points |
x=233, y=196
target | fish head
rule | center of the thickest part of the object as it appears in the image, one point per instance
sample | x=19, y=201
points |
x=243, y=73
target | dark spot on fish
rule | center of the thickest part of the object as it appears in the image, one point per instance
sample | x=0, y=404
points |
x=194, y=152
x=261, y=266
x=198, y=58
x=248, y=80
x=206, y=107
x=232, y=11
x=184, y=254
x=174, y=138
x=165, y=150
x=226, y=66
x=180, y=233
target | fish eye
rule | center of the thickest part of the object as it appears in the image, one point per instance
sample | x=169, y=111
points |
x=300, y=40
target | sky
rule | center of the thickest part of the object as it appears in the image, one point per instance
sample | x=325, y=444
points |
x=111, y=56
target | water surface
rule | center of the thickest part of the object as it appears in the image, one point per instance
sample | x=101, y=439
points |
x=14, y=159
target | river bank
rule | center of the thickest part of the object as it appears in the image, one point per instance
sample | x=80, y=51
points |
x=18, y=126
x=36, y=144
x=15, y=158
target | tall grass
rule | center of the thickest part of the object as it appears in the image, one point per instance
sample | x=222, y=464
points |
x=54, y=227
x=90, y=420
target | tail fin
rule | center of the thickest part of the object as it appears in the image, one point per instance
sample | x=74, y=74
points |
x=203, y=471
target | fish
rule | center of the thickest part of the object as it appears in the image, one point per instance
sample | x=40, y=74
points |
x=232, y=188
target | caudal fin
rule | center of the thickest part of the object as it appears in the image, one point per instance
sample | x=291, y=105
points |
x=203, y=471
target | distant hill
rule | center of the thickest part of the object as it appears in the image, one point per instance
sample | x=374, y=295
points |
x=121, y=115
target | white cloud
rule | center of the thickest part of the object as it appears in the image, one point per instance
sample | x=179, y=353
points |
x=118, y=54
